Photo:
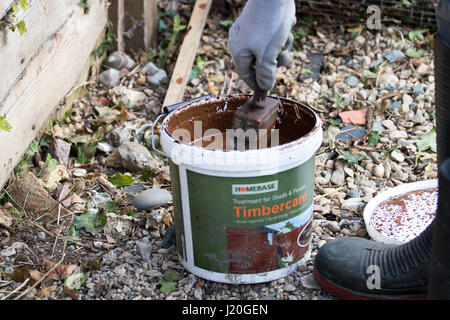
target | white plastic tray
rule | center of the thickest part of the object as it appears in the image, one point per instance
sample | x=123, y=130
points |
x=401, y=189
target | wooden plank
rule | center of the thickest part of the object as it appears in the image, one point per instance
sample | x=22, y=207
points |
x=43, y=18
x=150, y=23
x=187, y=53
x=134, y=25
x=46, y=80
x=5, y=5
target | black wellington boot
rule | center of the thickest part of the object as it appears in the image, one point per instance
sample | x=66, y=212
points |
x=355, y=268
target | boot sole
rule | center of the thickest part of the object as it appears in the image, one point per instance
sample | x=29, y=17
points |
x=346, y=294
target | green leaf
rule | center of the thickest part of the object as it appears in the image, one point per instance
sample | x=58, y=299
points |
x=413, y=53
x=368, y=74
x=299, y=33
x=133, y=214
x=195, y=73
x=334, y=122
x=23, y=4
x=21, y=27
x=72, y=235
x=120, y=180
x=20, y=167
x=373, y=138
x=350, y=157
x=406, y=3
x=67, y=116
x=167, y=287
x=417, y=34
x=4, y=124
x=51, y=163
x=92, y=223
x=75, y=281
x=306, y=71
x=171, y=276
x=226, y=23
x=33, y=148
x=112, y=206
x=427, y=141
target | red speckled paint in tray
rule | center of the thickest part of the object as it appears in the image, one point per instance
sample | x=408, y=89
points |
x=405, y=216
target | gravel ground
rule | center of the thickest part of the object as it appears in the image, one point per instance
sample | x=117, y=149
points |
x=334, y=70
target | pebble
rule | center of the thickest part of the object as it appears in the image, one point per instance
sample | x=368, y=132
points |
x=419, y=89
x=144, y=249
x=110, y=77
x=131, y=156
x=119, y=60
x=379, y=171
x=397, y=156
x=422, y=69
x=360, y=40
x=156, y=76
x=388, y=124
x=394, y=56
x=308, y=281
x=333, y=226
x=98, y=244
x=407, y=99
x=41, y=236
x=387, y=80
x=198, y=294
x=152, y=198
x=289, y=287
x=79, y=172
x=352, y=81
x=338, y=176
x=354, y=193
x=146, y=293
x=352, y=204
x=398, y=134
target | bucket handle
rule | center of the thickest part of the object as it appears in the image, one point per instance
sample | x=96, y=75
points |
x=166, y=111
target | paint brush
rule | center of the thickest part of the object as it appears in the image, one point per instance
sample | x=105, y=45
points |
x=259, y=112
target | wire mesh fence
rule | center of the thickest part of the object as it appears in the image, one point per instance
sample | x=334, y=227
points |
x=419, y=13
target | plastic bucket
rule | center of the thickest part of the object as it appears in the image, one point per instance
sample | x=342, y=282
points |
x=242, y=216
x=386, y=195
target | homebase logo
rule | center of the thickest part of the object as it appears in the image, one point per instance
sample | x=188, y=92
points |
x=244, y=189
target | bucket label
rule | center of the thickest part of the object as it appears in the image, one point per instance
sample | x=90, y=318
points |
x=244, y=189
x=245, y=225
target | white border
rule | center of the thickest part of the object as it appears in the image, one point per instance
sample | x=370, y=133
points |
x=401, y=189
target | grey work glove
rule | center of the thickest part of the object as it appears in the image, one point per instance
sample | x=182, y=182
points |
x=258, y=40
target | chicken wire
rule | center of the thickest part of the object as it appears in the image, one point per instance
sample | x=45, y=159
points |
x=419, y=13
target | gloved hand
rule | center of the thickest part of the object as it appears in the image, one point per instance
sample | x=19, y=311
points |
x=259, y=37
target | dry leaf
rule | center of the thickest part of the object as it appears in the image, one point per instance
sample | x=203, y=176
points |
x=5, y=219
x=47, y=292
x=29, y=194
x=356, y=29
x=62, y=271
x=70, y=292
x=35, y=275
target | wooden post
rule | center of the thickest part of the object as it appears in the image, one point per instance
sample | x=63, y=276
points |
x=120, y=25
x=135, y=23
x=187, y=53
x=150, y=23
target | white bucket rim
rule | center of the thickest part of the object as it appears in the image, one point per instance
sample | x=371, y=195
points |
x=263, y=161
x=392, y=192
